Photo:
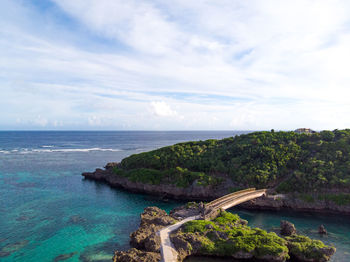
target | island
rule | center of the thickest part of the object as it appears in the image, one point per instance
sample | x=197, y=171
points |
x=225, y=235
x=302, y=171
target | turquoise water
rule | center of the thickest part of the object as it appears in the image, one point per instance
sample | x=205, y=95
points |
x=49, y=213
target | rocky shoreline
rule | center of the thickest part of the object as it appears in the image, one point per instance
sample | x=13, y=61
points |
x=226, y=236
x=205, y=193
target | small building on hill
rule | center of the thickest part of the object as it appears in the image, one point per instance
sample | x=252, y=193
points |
x=304, y=131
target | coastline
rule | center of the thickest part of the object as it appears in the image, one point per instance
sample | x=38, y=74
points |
x=225, y=235
x=208, y=193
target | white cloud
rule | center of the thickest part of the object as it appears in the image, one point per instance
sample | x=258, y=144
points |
x=160, y=108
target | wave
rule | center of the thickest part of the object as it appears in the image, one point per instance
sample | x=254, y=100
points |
x=28, y=151
x=76, y=150
x=4, y=152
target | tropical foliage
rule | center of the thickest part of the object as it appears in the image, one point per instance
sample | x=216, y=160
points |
x=286, y=160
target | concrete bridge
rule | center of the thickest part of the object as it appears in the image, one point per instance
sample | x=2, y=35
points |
x=210, y=210
x=213, y=208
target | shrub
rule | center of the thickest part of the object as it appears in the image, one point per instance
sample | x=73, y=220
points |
x=285, y=160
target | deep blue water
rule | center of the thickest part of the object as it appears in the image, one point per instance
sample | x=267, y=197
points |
x=47, y=209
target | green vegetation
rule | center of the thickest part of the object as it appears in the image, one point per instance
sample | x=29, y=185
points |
x=192, y=205
x=302, y=246
x=199, y=226
x=144, y=175
x=285, y=160
x=226, y=235
x=178, y=176
x=307, y=198
x=227, y=218
x=339, y=199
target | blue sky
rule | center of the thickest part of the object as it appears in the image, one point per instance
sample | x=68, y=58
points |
x=174, y=65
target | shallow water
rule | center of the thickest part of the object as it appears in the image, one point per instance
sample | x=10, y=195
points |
x=49, y=212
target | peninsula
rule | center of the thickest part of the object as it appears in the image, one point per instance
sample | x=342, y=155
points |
x=302, y=171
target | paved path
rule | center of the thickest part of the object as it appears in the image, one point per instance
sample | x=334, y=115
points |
x=167, y=250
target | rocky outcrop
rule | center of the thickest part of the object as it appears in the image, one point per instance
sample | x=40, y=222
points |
x=325, y=256
x=135, y=255
x=294, y=202
x=287, y=228
x=220, y=237
x=307, y=250
x=322, y=230
x=226, y=235
x=152, y=220
x=188, y=210
x=193, y=192
x=206, y=193
x=145, y=240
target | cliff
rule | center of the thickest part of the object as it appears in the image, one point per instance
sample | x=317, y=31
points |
x=291, y=201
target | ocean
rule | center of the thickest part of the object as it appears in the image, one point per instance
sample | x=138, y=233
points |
x=48, y=212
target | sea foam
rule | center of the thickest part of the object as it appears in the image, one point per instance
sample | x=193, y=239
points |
x=47, y=150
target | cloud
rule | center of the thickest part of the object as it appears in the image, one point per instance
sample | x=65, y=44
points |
x=245, y=64
x=160, y=108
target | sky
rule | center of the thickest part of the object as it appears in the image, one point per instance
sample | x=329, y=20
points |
x=174, y=65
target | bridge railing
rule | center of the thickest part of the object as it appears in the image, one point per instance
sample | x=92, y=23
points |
x=243, y=198
x=229, y=195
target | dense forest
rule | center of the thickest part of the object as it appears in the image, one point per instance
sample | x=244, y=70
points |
x=285, y=161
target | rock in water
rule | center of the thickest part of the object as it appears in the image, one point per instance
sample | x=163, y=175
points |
x=76, y=219
x=322, y=230
x=308, y=250
x=13, y=247
x=287, y=228
x=22, y=218
x=4, y=253
x=64, y=256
